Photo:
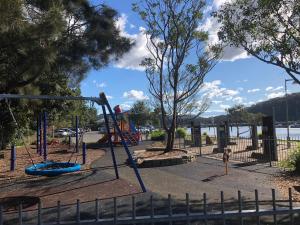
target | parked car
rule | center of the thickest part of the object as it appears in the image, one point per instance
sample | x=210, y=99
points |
x=102, y=130
x=63, y=132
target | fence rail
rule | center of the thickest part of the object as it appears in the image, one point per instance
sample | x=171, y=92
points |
x=244, y=149
x=240, y=212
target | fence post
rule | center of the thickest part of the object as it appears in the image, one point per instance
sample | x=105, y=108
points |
x=151, y=208
x=78, y=211
x=257, y=207
x=240, y=207
x=40, y=213
x=83, y=153
x=13, y=158
x=205, y=208
x=115, y=210
x=187, y=203
x=290, y=206
x=20, y=213
x=170, y=212
x=133, y=208
x=97, y=209
x=1, y=215
x=223, y=208
x=270, y=153
x=274, y=206
x=58, y=212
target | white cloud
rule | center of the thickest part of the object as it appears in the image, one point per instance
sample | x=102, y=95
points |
x=269, y=88
x=249, y=103
x=218, y=3
x=253, y=90
x=139, y=51
x=278, y=88
x=224, y=106
x=109, y=97
x=275, y=95
x=213, y=90
x=230, y=53
x=99, y=84
x=238, y=100
x=125, y=106
x=135, y=95
x=217, y=102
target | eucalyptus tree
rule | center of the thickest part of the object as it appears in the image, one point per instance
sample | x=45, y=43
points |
x=269, y=30
x=179, y=56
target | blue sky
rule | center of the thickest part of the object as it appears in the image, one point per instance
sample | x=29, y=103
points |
x=238, y=78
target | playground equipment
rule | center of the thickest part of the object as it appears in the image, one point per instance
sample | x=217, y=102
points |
x=129, y=132
x=67, y=166
x=52, y=168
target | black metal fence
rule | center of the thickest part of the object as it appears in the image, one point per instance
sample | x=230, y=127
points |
x=243, y=149
x=143, y=209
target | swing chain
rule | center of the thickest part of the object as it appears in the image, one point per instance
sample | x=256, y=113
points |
x=19, y=130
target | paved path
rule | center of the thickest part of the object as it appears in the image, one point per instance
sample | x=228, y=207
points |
x=203, y=175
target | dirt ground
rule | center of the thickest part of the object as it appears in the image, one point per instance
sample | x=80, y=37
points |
x=56, y=152
x=287, y=180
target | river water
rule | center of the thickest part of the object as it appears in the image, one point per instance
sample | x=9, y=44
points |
x=245, y=131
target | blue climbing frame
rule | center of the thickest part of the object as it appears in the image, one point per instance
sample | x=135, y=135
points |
x=101, y=100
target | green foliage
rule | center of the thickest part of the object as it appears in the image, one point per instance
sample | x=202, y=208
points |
x=239, y=113
x=140, y=113
x=204, y=134
x=267, y=30
x=181, y=132
x=293, y=161
x=47, y=48
x=158, y=135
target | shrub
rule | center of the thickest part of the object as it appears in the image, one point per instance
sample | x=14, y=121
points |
x=260, y=136
x=204, y=133
x=158, y=135
x=293, y=161
x=181, y=132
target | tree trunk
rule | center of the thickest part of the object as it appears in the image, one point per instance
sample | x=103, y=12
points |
x=170, y=139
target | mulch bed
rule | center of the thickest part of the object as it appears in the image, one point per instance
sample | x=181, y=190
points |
x=156, y=154
x=57, y=153
x=288, y=180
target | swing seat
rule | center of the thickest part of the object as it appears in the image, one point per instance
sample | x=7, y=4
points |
x=51, y=169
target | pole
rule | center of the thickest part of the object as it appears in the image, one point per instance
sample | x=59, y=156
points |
x=38, y=135
x=83, y=153
x=13, y=158
x=287, y=114
x=103, y=99
x=76, y=125
x=45, y=136
x=110, y=142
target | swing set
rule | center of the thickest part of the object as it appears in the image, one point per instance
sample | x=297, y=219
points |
x=58, y=168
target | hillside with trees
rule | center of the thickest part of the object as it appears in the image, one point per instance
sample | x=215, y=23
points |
x=279, y=105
